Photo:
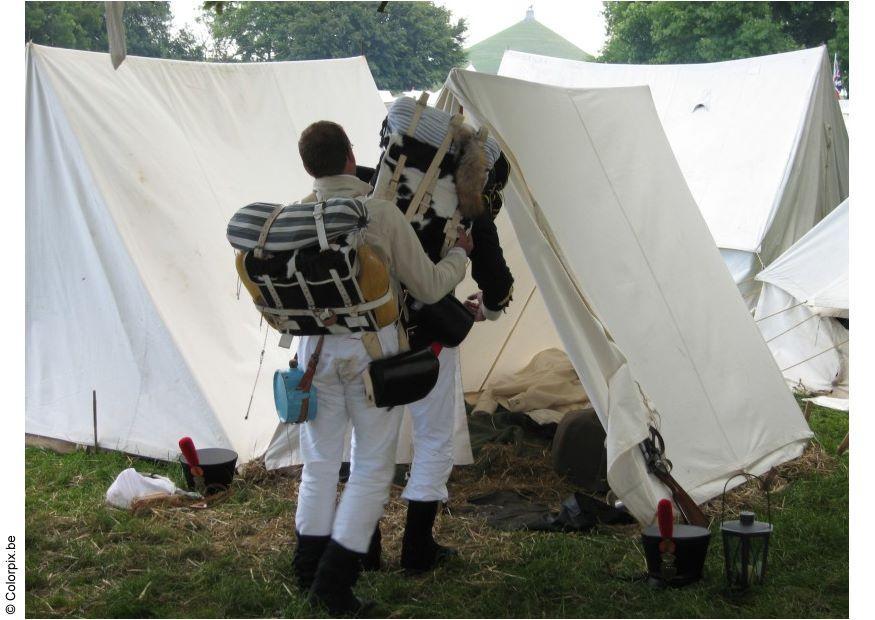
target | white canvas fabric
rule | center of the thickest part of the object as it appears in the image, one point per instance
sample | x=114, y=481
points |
x=131, y=178
x=633, y=283
x=845, y=105
x=802, y=291
x=761, y=142
x=815, y=270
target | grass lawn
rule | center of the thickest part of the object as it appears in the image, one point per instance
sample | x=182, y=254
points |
x=234, y=559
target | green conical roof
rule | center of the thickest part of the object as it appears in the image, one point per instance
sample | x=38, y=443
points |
x=528, y=36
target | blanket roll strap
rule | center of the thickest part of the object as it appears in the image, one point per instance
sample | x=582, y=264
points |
x=402, y=161
x=419, y=203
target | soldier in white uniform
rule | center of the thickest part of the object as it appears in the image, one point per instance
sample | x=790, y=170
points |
x=332, y=539
x=434, y=416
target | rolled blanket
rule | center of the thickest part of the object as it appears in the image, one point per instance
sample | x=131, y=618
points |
x=433, y=125
x=295, y=226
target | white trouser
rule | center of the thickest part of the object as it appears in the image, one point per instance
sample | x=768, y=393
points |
x=433, y=419
x=340, y=394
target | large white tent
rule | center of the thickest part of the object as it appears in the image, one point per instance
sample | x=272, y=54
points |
x=131, y=177
x=804, y=290
x=635, y=287
x=761, y=142
x=133, y=174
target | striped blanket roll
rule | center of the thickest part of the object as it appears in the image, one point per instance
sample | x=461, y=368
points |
x=432, y=127
x=295, y=226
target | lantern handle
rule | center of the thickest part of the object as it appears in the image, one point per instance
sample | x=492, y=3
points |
x=762, y=486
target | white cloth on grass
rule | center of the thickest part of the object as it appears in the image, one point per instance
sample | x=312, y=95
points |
x=131, y=484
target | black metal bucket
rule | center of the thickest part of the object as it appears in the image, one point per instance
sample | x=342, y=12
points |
x=218, y=465
x=691, y=549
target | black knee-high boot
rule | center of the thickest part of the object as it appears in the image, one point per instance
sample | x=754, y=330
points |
x=419, y=551
x=336, y=575
x=307, y=555
x=372, y=559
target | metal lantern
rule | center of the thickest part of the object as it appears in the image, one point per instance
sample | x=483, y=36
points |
x=745, y=543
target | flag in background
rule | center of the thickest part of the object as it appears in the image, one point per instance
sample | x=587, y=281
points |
x=837, y=75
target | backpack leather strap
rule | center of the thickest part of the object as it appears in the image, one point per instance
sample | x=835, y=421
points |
x=307, y=379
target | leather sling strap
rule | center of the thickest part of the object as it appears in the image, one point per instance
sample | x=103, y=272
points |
x=451, y=232
x=265, y=228
x=318, y=218
x=402, y=161
x=426, y=185
x=307, y=379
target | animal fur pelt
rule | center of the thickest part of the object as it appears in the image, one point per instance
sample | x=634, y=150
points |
x=470, y=174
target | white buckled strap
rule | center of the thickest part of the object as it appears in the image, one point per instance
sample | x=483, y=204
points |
x=311, y=303
x=268, y=283
x=318, y=213
x=429, y=180
x=451, y=232
x=402, y=161
x=396, y=177
x=347, y=302
x=358, y=309
x=258, y=251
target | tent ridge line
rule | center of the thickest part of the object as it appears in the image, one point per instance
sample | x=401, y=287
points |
x=791, y=159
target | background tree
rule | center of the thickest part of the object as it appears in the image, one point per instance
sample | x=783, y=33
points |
x=82, y=25
x=410, y=45
x=690, y=32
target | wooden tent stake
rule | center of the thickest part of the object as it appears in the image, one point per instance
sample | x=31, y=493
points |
x=843, y=447
x=94, y=416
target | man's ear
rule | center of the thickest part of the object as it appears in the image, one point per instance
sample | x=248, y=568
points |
x=350, y=162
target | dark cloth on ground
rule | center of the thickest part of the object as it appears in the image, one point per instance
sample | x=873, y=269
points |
x=513, y=511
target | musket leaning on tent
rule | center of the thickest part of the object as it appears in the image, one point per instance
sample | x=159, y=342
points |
x=653, y=449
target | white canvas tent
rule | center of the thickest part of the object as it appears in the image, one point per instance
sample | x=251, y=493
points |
x=131, y=177
x=761, y=142
x=804, y=290
x=637, y=291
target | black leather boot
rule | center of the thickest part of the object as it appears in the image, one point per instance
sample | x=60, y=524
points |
x=307, y=555
x=338, y=572
x=419, y=551
x=372, y=559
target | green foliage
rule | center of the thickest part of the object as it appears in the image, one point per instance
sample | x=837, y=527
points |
x=691, y=32
x=839, y=42
x=82, y=25
x=410, y=45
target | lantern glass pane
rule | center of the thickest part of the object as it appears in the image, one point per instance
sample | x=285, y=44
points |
x=745, y=559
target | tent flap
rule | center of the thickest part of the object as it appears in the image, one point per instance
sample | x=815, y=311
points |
x=633, y=283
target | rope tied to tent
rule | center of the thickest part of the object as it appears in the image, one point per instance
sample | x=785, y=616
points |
x=257, y=374
x=791, y=328
x=655, y=418
x=768, y=316
x=808, y=359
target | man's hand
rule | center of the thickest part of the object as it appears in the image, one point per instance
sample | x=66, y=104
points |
x=474, y=304
x=464, y=241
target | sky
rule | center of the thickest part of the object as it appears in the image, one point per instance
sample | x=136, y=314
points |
x=579, y=21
